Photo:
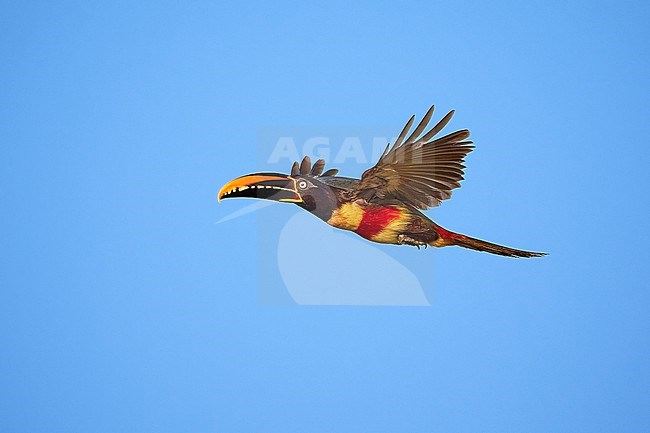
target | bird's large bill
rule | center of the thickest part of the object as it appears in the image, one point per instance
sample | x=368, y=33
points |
x=269, y=186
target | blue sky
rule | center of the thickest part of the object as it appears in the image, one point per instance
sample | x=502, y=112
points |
x=124, y=307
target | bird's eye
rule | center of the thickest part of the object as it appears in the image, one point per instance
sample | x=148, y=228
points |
x=302, y=184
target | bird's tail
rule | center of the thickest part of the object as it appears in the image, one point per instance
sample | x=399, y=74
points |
x=446, y=238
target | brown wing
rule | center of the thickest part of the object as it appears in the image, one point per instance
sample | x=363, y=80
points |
x=418, y=170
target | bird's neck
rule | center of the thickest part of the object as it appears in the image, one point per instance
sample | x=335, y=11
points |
x=324, y=204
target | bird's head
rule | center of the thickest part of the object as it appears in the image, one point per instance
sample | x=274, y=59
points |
x=305, y=187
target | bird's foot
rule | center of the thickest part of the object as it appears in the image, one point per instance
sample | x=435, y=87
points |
x=407, y=240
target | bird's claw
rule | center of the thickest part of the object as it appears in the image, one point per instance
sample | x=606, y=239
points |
x=407, y=240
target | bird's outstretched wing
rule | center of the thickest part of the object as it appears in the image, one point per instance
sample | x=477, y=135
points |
x=418, y=170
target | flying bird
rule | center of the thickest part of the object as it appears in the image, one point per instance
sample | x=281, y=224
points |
x=417, y=172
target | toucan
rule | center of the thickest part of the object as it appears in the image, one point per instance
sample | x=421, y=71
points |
x=417, y=172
